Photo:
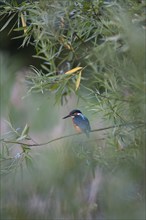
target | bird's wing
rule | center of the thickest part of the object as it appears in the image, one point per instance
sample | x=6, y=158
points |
x=83, y=123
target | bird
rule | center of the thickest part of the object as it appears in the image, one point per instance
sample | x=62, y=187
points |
x=80, y=122
x=82, y=125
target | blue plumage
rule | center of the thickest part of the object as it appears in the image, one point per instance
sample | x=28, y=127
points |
x=81, y=123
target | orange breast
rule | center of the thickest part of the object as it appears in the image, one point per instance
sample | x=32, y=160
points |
x=77, y=128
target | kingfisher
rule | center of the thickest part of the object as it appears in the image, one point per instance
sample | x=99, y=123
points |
x=80, y=122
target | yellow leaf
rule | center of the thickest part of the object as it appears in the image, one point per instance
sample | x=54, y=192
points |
x=23, y=22
x=67, y=46
x=78, y=81
x=73, y=70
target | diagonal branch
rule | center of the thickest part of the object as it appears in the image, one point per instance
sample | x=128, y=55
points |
x=71, y=135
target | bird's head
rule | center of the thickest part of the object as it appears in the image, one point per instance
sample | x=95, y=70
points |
x=73, y=113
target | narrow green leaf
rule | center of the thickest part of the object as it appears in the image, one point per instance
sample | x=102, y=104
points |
x=8, y=21
x=25, y=130
x=78, y=81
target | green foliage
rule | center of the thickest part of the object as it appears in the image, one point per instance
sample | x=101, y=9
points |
x=94, y=50
x=70, y=31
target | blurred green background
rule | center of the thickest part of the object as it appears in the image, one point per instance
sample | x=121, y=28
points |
x=55, y=181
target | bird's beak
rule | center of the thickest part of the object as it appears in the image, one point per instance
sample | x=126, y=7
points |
x=66, y=116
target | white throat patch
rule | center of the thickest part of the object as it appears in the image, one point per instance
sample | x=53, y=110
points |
x=79, y=114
